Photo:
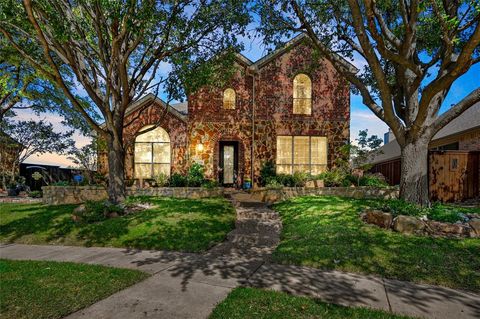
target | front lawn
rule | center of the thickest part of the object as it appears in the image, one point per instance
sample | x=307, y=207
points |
x=174, y=224
x=44, y=289
x=326, y=232
x=244, y=303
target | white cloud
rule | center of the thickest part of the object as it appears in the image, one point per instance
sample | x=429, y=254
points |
x=361, y=120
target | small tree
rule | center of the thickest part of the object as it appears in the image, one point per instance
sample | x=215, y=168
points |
x=114, y=50
x=85, y=158
x=366, y=148
x=414, y=51
x=23, y=139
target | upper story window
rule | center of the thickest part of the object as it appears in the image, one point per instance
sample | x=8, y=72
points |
x=302, y=94
x=152, y=153
x=229, y=99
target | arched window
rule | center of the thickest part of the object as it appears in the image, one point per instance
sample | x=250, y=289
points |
x=152, y=153
x=229, y=99
x=302, y=94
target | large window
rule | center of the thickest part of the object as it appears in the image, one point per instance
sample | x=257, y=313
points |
x=302, y=94
x=301, y=154
x=152, y=153
x=229, y=99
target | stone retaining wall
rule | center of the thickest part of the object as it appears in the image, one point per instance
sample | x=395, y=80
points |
x=275, y=195
x=56, y=195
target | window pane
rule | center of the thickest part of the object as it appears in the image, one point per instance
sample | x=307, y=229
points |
x=161, y=153
x=156, y=135
x=161, y=168
x=319, y=150
x=318, y=169
x=284, y=169
x=302, y=94
x=143, y=170
x=301, y=149
x=284, y=150
x=229, y=99
x=143, y=152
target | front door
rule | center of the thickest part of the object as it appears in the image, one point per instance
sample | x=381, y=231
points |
x=228, y=163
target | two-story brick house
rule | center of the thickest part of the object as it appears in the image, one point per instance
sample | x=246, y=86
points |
x=289, y=107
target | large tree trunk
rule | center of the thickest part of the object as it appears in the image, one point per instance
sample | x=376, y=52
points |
x=116, y=170
x=414, y=177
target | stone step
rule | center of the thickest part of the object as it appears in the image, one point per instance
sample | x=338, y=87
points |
x=263, y=215
x=257, y=241
x=254, y=226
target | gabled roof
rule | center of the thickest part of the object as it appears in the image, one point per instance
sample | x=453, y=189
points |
x=467, y=121
x=149, y=98
x=277, y=52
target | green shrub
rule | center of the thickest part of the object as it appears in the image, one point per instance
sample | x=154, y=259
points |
x=97, y=211
x=335, y=178
x=400, y=207
x=273, y=183
x=300, y=179
x=267, y=172
x=196, y=175
x=438, y=211
x=178, y=180
x=209, y=183
x=35, y=194
x=448, y=213
x=372, y=180
x=161, y=179
x=285, y=180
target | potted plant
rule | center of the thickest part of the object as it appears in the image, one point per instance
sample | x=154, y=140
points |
x=247, y=183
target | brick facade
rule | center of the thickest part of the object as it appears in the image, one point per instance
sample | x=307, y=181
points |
x=264, y=104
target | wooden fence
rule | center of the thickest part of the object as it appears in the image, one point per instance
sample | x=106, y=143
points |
x=454, y=175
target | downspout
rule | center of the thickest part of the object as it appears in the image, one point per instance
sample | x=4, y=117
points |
x=253, y=131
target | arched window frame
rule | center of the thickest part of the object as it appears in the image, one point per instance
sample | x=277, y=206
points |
x=302, y=100
x=229, y=99
x=152, y=148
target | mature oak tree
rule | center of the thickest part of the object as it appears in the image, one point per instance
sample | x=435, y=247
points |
x=414, y=50
x=114, y=50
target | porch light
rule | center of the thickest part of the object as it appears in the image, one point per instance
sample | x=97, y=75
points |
x=199, y=147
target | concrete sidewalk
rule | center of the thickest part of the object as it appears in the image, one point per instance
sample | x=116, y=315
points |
x=190, y=285
x=185, y=285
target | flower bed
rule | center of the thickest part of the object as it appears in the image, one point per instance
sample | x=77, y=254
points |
x=57, y=195
x=272, y=195
x=470, y=227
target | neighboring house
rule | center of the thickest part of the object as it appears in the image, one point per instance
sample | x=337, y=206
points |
x=287, y=107
x=453, y=162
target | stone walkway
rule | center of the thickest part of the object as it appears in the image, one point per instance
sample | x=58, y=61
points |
x=186, y=285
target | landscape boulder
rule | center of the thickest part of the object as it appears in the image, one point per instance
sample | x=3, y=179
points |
x=448, y=229
x=408, y=225
x=379, y=218
x=475, y=225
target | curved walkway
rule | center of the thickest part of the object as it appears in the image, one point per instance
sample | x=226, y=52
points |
x=186, y=285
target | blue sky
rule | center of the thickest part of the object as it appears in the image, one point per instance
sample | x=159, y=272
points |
x=361, y=116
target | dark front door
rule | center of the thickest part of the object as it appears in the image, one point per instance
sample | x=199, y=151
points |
x=228, y=163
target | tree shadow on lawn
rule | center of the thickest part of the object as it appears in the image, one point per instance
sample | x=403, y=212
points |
x=326, y=233
x=185, y=225
x=45, y=219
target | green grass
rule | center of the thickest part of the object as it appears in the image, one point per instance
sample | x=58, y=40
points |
x=326, y=232
x=43, y=289
x=175, y=224
x=244, y=303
